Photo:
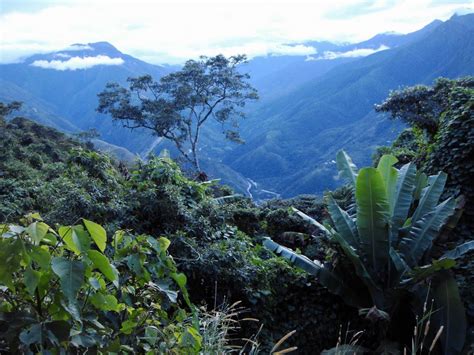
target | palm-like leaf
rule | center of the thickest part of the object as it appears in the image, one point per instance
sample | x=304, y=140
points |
x=403, y=199
x=459, y=251
x=451, y=314
x=423, y=232
x=343, y=223
x=389, y=176
x=312, y=221
x=346, y=167
x=325, y=276
x=361, y=271
x=372, y=217
x=430, y=196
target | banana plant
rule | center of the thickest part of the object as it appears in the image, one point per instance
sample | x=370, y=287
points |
x=398, y=217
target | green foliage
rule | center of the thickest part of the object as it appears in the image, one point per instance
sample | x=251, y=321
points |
x=43, y=170
x=55, y=296
x=421, y=106
x=387, y=246
x=177, y=107
x=450, y=149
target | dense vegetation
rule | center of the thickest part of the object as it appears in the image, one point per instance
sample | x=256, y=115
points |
x=98, y=255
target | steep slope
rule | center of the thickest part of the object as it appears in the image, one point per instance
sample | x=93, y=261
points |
x=292, y=140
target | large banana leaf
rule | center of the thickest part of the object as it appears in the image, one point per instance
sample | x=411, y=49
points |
x=298, y=260
x=424, y=231
x=389, y=176
x=343, y=223
x=346, y=167
x=402, y=199
x=430, y=196
x=451, y=314
x=401, y=267
x=325, y=276
x=421, y=181
x=372, y=217
x=312, y=221
x=361, y=271
x=459, y=251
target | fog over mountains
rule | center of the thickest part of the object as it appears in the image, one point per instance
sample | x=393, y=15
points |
x=311, y=106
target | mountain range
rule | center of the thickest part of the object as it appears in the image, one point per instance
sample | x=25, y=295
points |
x=311, y=105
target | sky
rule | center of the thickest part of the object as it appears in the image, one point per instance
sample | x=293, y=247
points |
x=171, y=32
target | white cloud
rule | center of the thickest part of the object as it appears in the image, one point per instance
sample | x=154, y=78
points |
x=76, y=63
x=162, y=31
x=359, y=52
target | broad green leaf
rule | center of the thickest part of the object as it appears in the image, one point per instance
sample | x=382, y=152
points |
x=312, y=221
x=190, y=338
x=372, y=217
x=180, y=279
x=403, y=198
x=104, y=302
x=32, y=278
x=401, y=266
x=71, y=275
x=96, y=283
x=41, y=256
x=37, y=231
x=102, y=263
x=151, y=335
x=128, y=326
x=460, y=250
x=75, y=238
x=389, y=176
x=451, y=314
x=72, y=308
x=343, y=223
x=430, y=196
x=346, y=167
x=164, y=243
x=424, y=231
x=375, y=292
x=97, y=233
x=326, y=277
x=421, y=180
x=32, y=335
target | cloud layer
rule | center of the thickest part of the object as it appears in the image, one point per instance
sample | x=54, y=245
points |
x=76, y=63
x=359, y=52
x=161, y=31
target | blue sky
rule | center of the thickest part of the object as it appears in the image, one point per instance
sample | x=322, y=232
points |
x=171, y=32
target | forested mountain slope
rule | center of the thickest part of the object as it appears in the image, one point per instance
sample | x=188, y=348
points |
x=310, y=106
x=291, y=141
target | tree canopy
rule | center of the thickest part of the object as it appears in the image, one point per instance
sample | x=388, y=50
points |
x=178, y=105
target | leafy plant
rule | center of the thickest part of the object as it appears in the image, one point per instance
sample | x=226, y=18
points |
x=74, y=289
x=388, y=240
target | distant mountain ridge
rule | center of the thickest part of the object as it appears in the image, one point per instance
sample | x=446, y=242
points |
x=72, y=93
x=297, y=135
x=310, y=107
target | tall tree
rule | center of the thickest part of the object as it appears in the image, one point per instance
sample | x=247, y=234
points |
x=178, y=105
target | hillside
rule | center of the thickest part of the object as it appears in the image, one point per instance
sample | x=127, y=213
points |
x=298, y=134
x=309, y=108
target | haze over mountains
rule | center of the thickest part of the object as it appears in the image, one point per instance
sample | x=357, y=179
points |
x=310, y=107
